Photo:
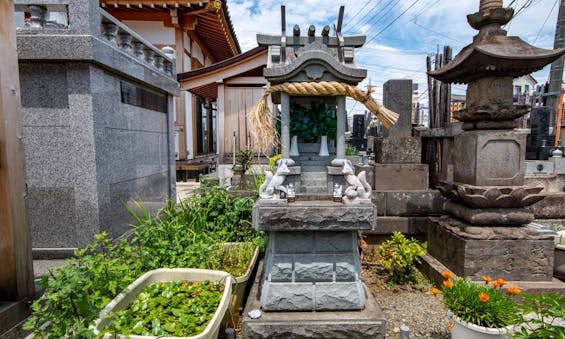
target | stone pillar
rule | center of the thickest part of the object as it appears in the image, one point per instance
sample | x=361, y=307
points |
x=341, y=121
x=285, y=125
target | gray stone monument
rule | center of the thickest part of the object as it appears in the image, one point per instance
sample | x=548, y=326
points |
x=97, y=114
x=312, y=261
x=483, y=233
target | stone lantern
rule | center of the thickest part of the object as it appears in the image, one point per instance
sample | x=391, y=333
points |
x=484, y=233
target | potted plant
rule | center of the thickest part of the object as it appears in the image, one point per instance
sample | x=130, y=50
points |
x=180, y=303
x=559, y=260
x=238, y=259
x=243, y=159
x=478, y=310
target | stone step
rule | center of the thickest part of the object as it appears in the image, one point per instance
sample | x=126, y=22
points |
x=315, y=175
x=313, y=168
x=313, y=189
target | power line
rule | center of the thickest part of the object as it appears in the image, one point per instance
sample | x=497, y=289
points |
x=383, y=15
x=438, y=33
x=364, y=16
x=380, y=11
x=545, y=21
x=359, y=11
x=425, y=9
x=393, y=21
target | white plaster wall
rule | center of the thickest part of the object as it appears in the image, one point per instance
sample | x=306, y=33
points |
x=197, y=53
x=522, y=81
x=187, y=65
x=153, y=31
x=188, y=124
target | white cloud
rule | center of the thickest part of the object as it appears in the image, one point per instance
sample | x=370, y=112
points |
x=400, y=50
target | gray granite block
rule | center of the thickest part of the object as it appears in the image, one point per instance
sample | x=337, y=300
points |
x=317, y=215
x=313, y=268
x=335, y=242
x=398, y=150
x=43, y=85
x=346, y=269
x=339, y=296
x=292, y=242
x=281, y=270
x=287, y=296
x=401, y=177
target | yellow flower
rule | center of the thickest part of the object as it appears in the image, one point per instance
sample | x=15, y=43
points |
x=513, y=290
x=487, y=279
x=447, y=275
x=448, y=283
x=435, y=291
x=483, y=297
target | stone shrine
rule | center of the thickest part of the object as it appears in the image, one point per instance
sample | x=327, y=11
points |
x=484, y=232
x=312, y=260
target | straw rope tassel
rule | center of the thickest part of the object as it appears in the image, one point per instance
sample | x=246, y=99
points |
x=264, y=130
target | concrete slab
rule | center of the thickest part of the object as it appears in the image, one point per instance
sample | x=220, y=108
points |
x=368, y=323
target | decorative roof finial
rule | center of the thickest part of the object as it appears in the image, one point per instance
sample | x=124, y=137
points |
x=490, y=4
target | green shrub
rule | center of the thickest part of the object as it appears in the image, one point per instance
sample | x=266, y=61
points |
x=546, y=309
x=398, y=257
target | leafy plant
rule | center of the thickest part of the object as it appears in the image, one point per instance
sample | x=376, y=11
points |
x=539, y=316
x=350, y=151
x=178, y=308
x=273, y=162
x=398, y=257
x=75, y=294
x=177, y=236
x=258, y=178
x=309, y=124
x=480, y=304
x=243, y=158
x=233, y=258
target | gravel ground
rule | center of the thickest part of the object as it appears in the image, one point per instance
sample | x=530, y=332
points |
x=416, y=308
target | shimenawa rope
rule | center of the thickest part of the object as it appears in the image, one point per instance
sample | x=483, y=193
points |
x=260, y=118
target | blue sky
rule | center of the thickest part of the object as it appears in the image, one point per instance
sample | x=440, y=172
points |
x=395, y=50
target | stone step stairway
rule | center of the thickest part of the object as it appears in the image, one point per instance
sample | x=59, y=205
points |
x=314, y=173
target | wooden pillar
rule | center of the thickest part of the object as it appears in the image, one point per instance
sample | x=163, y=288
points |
x=16, y=268
x=220, y=118
x=180, y=101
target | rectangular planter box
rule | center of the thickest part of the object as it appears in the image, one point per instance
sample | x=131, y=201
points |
x=240, y=283
x=126, y=297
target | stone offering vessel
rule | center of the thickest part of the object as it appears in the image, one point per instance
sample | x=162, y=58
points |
x=484, y=233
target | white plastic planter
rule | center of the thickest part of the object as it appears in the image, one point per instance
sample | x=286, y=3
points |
x=240, y=283
x=465, y=330
x=125, y=298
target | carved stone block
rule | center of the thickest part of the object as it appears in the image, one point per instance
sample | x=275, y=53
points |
x=490, y=158
x=489, y=216
x=511, y=253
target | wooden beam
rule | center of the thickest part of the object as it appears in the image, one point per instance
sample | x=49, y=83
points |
x=257, y=81
x=122, y=14
x=229, y=71
x=16, y=269
x=220, y=118
x=188, y=22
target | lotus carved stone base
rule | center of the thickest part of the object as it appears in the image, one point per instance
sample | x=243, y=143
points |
x=490, y=216
x=491, y=196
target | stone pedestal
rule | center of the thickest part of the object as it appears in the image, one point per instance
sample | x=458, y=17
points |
x=490, y=157
x=368, y=323
x=398, y=150
x=401, y=177
x=312, y=262
x=511, y=253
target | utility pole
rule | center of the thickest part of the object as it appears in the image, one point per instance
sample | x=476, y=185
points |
x=556, y=73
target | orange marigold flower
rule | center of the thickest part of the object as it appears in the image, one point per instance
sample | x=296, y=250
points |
x=448, y=283
x=496, y=284
x=501, y=282
x=487, y=279
x=435, y=291
x=483, y=297
x=447, y=274
x=513, y=290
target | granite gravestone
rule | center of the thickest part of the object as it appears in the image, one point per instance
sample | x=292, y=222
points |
x=539, y=131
